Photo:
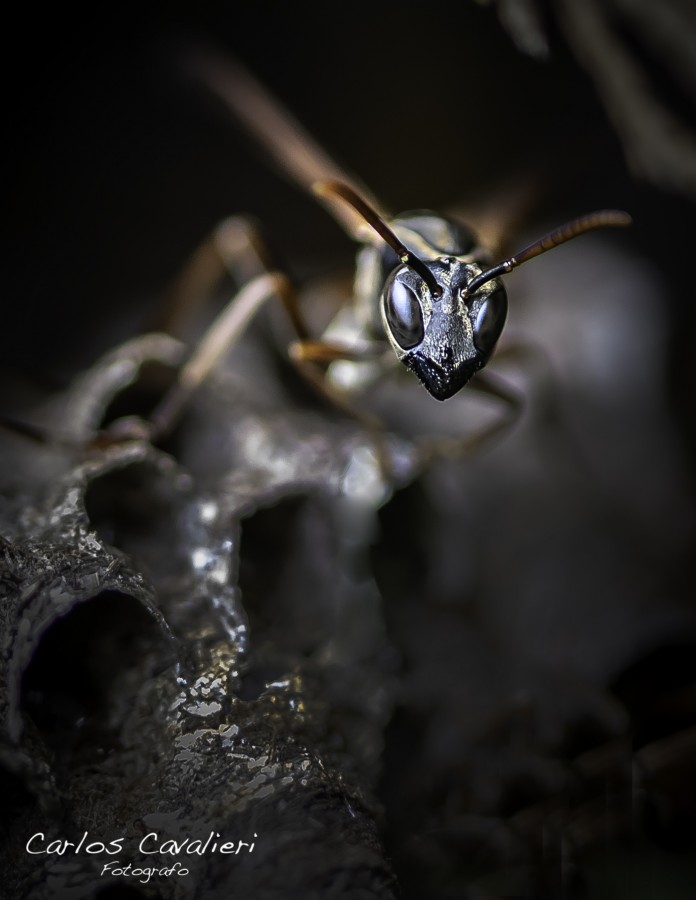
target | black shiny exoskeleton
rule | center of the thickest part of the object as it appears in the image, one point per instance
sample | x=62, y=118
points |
x=441, y=307
x=422, y=283
x=444, y=337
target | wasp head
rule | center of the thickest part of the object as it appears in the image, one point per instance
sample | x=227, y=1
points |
x=441, y=333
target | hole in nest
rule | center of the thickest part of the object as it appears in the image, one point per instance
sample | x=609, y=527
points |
x=267, y=535
x=256, y=680
x=400, y=556
x=287, y=574
x=134, y=509
x=89, y=667
x=141, y=396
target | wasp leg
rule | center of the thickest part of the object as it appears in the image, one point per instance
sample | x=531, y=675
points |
x=308, y=356
x=235, y=248
x=225, y=331
x=522, y=352
x=458, y=447
x=311, y=358
x=34, y=433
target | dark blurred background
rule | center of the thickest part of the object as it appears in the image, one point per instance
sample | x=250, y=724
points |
x=541, y=598
x=117, y=165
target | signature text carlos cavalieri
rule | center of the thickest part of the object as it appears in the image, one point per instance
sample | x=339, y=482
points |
x=151, y=846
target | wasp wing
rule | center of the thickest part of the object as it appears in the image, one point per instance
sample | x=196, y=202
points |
x=281, y=136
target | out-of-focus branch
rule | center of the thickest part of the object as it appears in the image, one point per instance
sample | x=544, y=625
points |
x=659, y=142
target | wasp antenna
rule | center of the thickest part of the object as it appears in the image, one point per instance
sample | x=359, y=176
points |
x=332, y=190
x=270, y=124
x=603, y=218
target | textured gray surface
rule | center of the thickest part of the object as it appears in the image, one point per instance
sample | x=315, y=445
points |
x=540, y=597
x=149, y=705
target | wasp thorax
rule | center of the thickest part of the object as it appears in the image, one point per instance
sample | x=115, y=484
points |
x=444, y=338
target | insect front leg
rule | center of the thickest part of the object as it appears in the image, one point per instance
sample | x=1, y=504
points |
x=220, y=337
x=235, y=248
x=311, y=358
x=458, y=447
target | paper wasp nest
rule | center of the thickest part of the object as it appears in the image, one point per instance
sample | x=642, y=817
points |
x=137, y=699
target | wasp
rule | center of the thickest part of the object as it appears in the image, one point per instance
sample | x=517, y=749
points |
x=425, y=293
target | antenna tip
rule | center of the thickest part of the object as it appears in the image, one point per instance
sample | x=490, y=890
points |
x=616, y=217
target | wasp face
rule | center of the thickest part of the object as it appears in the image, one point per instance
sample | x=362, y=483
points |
x=444, y=339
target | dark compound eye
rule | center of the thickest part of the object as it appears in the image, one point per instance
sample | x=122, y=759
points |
x=404, y=315
x=489, y=321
